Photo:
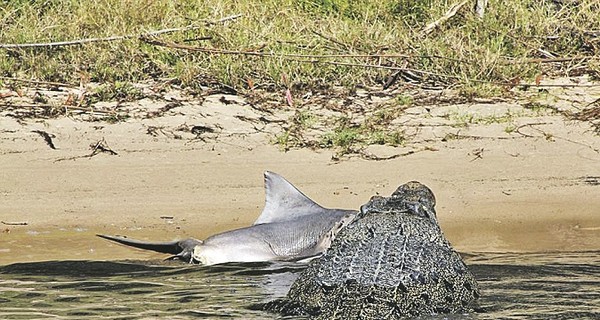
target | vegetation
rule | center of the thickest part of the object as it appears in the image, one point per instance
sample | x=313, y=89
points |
x=121, y=91
x=341, y=133
x=302, y=45
x=476, y=55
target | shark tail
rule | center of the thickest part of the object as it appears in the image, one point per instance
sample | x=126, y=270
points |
x=173, y=247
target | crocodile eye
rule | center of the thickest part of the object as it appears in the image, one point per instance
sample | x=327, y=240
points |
x=364, y=208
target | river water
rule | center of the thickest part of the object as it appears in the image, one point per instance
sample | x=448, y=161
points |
x=514, y=286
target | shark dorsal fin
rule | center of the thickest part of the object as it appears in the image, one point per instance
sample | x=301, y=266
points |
x=284, y=201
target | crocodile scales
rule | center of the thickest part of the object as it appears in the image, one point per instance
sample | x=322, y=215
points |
x=391, y=262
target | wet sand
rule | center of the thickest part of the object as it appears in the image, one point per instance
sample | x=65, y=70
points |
x=530, y=194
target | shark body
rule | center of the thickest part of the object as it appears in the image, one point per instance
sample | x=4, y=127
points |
x=290, y=227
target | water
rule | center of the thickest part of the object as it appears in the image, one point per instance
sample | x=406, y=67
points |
x=514, y=286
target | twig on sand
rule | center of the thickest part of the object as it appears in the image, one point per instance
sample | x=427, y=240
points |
x=549, y=136
x=449, y=14
x=98, y=147
x=370, y=156
x=14, y=223
x=101, y=146
x=113, y=38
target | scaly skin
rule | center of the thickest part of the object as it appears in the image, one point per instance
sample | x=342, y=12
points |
x=392, y=262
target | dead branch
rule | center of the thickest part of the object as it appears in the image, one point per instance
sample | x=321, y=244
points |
x=370, y=156
x=529, y=125
x=113, y=38
x=50, y=83
x=63, y=43
x=14, y=223
x=331, y=56
x=45, y=106
x=27, y=105
x=364, y=65
x=99, y=147
x=173, y=45
x=551, y=60
x=316, y=59
x=449, y=14
x=566, y=85
x=477, y=154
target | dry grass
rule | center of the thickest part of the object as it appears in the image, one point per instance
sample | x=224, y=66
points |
x=473, y=54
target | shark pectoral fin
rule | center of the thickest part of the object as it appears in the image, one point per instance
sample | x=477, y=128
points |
x=283, y=201
x=185, y=256
x=307, y=259
x=187, y=250
x=173, y=247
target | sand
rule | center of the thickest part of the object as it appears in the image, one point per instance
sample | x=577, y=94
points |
x=196, y=170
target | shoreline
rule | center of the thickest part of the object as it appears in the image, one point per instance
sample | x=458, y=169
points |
x=162, y=197
x=497, y=191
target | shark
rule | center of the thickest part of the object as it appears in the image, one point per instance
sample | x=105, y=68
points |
x=291, y=227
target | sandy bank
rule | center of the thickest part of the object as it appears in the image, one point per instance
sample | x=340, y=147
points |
x=525, y=193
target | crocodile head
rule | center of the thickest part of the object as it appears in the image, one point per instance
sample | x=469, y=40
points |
x=412, y=197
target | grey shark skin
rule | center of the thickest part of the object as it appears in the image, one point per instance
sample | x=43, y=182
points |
x=391, y=262
x=290, y=227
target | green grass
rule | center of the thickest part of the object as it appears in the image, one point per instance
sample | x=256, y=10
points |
x=342, y=134
x=466, y=119
x=465, y=52
x=348, y=137
x=119, y=91
x=293, y=135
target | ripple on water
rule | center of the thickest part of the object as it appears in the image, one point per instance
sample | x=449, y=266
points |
x=514, y=286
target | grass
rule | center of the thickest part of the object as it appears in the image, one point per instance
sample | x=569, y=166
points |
x=348, y=137
x=306, y=45
x=293, y=135
x=119, y=91
x=466, y=119
x=470, y=54
x=342, y=133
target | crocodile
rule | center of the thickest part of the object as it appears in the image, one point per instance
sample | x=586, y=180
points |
x=290, y=227
x=391, y=262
